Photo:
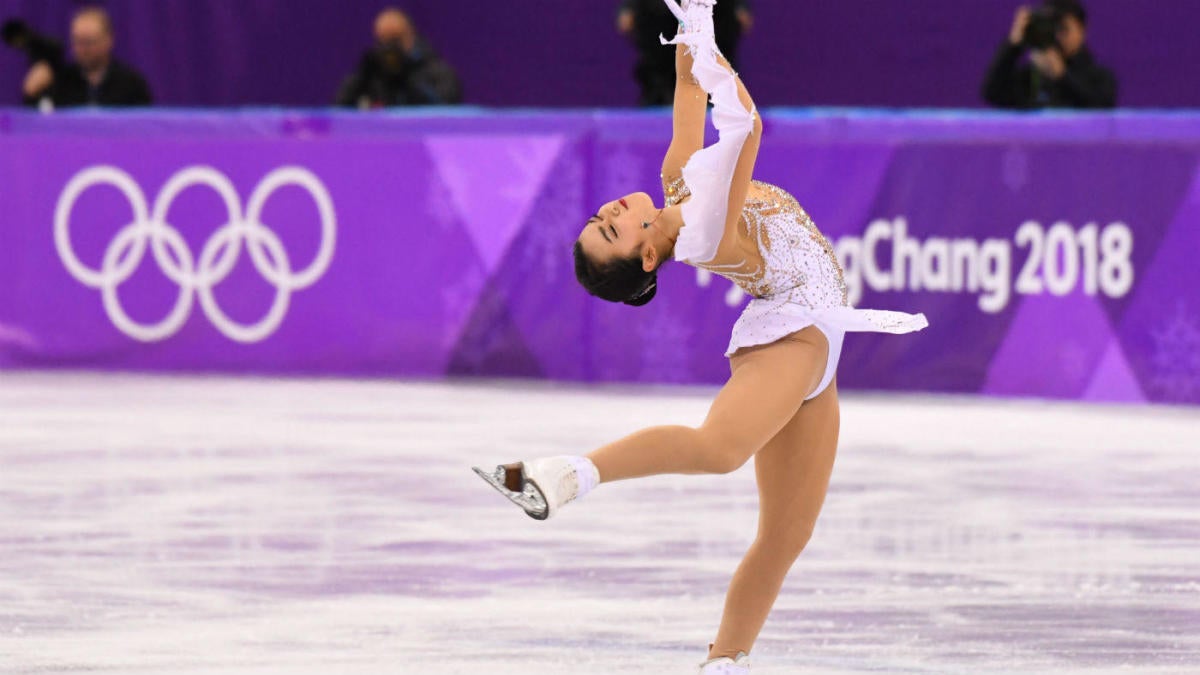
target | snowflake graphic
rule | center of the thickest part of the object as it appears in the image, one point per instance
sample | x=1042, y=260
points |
x=524, y=173
x=1176, y=357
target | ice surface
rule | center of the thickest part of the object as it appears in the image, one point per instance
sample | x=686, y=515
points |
x=221, y=525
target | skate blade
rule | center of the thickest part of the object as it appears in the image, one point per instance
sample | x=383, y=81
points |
x=530, y=500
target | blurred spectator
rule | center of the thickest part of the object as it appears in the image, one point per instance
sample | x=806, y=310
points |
x=1061, y=72
x=642, y=21
x=93, y=78
x=400, y=69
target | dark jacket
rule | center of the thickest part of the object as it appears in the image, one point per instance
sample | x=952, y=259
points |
x=424, y=79
x=121, y=86
x=655, y=67
x=1011, y=84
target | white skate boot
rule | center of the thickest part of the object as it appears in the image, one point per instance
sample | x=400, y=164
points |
x=543, y=486
x=727, y=666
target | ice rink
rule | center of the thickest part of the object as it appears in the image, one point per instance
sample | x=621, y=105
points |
x=221, y=525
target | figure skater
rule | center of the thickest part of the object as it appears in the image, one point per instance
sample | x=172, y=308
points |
x=780, y=404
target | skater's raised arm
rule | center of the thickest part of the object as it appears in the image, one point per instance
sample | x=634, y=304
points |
x=689, y=112
x=728, y=164
x=743, y=172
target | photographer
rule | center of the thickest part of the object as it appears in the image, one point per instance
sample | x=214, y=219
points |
x=1061, y=72
x=94, y=78
x=400, y=69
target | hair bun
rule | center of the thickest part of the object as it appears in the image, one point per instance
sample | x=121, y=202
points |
x=646, y=295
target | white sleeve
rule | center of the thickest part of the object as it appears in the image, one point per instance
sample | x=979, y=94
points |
x=709, y=172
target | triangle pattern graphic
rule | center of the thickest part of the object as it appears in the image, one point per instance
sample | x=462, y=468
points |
x=1052, y=347
x=1114, y=379
x=492, y=344
x=1157, y=291
x=494, y=182
x=459, y=301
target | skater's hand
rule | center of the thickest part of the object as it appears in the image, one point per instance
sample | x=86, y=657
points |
x=695, y=16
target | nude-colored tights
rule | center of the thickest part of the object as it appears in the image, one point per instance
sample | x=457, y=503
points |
x=759, y=413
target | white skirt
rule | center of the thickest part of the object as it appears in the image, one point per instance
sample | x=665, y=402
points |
x=766, y=320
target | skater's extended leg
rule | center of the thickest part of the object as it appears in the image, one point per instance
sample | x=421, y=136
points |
x=764, y=392
x=766, y=389
x=793, y=474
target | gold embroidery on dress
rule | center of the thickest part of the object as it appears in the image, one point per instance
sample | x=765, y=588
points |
x=788, y=244
x=674, y=190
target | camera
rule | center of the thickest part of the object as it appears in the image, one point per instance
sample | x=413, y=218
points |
x=18, y=35
x=1042, y=31
x=13, y=32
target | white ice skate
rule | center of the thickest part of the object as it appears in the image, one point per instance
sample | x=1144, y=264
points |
x=543, y=486
x=727, y=666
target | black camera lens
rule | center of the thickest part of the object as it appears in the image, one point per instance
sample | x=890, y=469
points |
x=1042, y=31
x=13, y=30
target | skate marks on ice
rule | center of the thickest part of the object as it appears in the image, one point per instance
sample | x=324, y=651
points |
x=186, y=525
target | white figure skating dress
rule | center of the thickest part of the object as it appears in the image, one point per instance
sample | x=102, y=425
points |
x=794, y=278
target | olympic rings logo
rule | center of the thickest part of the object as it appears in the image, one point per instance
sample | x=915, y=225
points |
x=217, y=258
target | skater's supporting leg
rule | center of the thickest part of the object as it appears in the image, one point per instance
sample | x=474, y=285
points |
x=766, y=389
x=793, y=474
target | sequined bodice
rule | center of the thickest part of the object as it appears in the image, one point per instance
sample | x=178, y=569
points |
x=793, y=257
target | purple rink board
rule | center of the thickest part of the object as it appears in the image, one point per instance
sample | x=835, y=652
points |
x=1055, y=256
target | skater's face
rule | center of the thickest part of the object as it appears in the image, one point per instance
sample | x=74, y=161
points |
x=618, y=231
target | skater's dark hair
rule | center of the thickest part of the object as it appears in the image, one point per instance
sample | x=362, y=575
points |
x=621, y=280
